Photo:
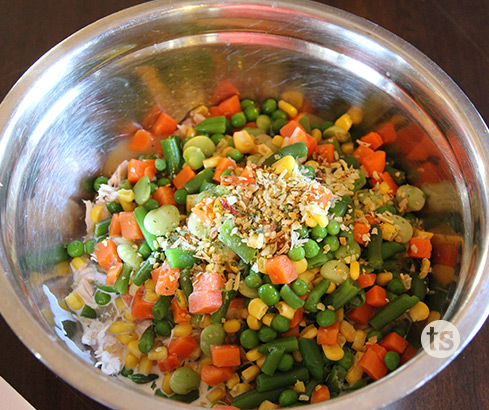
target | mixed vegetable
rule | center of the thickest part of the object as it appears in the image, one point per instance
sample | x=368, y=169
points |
x=253, y=256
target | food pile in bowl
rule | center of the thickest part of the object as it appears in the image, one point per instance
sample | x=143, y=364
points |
x=252, y=255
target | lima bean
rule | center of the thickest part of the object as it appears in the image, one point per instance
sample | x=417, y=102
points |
x=335, y=271
x=405, y=229
x=163, y=220
x=130, y=256
x=413, y=195
x=211, y=335
x=142, y=190
x=202, y=142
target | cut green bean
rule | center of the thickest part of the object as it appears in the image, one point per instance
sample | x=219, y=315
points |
x=102, y=227
x=144, y=272
x=289, y=344
x=139, y=213
x=147, y=340
x=213, y=125
x=160, y=308
x=193, y=186
x=139, y=378
x=186, y=282
x=390, y=249
x=220, y=314
x=336, y=379
x=392, y=311
x=252, y=398
x=297, y=150
x=374, y=249
x=88, y=312
x=290, y=297
x=122, y=282
x=272, y=361
x=266, y=383
x=418, y=288
x=312, y=358
x=319, y=260
x=235, y=242
x=173, y=155
x=343, y=294
x=180, y=258
x=315, y=295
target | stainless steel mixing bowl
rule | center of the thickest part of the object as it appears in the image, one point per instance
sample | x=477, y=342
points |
x=69, y=110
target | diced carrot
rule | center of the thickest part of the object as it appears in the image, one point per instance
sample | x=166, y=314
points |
x=320, y=393
x=409, y=353
x=129, y=227
x=379, y=350
x=215, y=111
x=281, y=270
x=247, y=177
x=366, y=279
x=301, y=136
x=213, y=375
x=419, y=248
x=445, y=254
x=164, y=125
x=182, y=346
x=293, y=331
x=362, y=152
x=204, y=209
x=113, y=273
x=169, y=364
x=141, y=141
x=230, y=106
x=209, y=281
x=374, y=163
x=180, y=315
x=394, y=343
x=223, y=164
x=387, y=132
x=326, y=152
x=359, y=230
x=185, y=175
x=385, y=177
x=251, y=124
x=374, y=139
x=165, y=279
x=137, y=169
x=151, y=117
x=376, y=296
x=372, y=365
x=223, y=90
x=150, y=170
x=372, y=219
x=362, y=314
x=225, y=355
x=288, y=129
x=224, y=407
x=165, y=196
x=141, y=308
x=328, y=335
x=106, y=253
x=297, y=317
x=115, y=226
x=204, y=301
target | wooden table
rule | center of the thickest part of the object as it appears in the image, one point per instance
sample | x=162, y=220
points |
x=454, y=33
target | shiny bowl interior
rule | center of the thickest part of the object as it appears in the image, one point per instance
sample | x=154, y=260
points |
x=66, y=114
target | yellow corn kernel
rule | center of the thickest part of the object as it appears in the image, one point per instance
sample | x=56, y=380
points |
x=347, y=330
x=128, y=316
x=239, y=389
x=165, y=384
x=267, y=405
x=191, y=133
x=286, y=163
x=250, y=373
x=78, y=262
x=264, y=150
x=96, y=213
x=354, y=270
x=285, y=310
x=307, y=276
x=434, y=315
x=127, y=206
x=262, y=265
x=201, y=110
x=358, y=356
x=181, y=299
x=310, y=332
x=344, y=122
x=300, y=266
x=359, y=340
x=354, y=374
x=119, y=304
x=332, y=288
x=130, y=361
x=151, y=296
x=420, y=311
x=389, y=231
x=158, y=353
x=133, y=289
x=341, y=340
x=267, y=319
x=289, y=109
x=126, y=195
x=317, y=134
x=384, y=188
x=232, y=326
x=132, y=347
x=322, y=220
x=243, y=312
x=211, y=162
x=348, y=148
x=340, y=314
x=182, y=330
x=244, y=142
x=257, y=308
x=334, y=352
x=253, y=322
x=296, y=354
x=253, y=355
x=233, y=381
x=74, y=301
x=356, y=114
x=261, y=360
x=215, y=394
x=311, y=222
x=145, y=365
x=383, y=278
x=423, y=234
x=278, y=140
x=195, y=354
x=149, y=285
x=443, y=274
x=125, y=338
x=425, y=268
x=299, y=387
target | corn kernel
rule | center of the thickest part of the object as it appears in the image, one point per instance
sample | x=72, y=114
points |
x=278, y=140
x=317, y=134
x=331, y=288
x=130, y=361
x=267, y=405
x=389, y=231
x=244, y=142
x=334, y=352
x=310, y=332
x=289, y=109
x=239, y=389
x=347, y=330
x=434, y=315
x=354, y=270
x=181, y=299
x=132, y=347
x=348, y=148
x=250, y=373
x=384, y=188
x=264, y=150
x=300, y=266
x=356, y=114
x=262, y=265
x=286, y=163
x=74, y=301
x=341, y=340
x=354, y=374
x=340, y=314
x=257, y=308
x=78, y=262
x=145, y=365
x=285, y=310
x=322, y=220
x=151, y=296
x=307, y=276
x=383, y=278
x=127, y=206
x=261, y=360
x=311, y=222
x=233, y=381
x=420, y=311
x=206, y=321
x=425, y=268
x=232, y=326
x=149, y=285
x=299, y=387
x=253, y=355
x=253, y=322
x=344, y=122
x=128, y=316
x=126, y=195
x=158, y=353
x=296, y=354
x=182, y=330
x=125, y=338
x=243, y=312
x=267, y=319
x=119, y=304
x=96, y=213
x=211, y=162
x=165, y=384
x=133, y=289
x=201, y=110
x=215, y=394
x=191, y=132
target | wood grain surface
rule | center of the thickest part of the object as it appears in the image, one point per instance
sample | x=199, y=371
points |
x=453, y=33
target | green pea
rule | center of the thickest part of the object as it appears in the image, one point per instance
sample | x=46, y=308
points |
x=375, y=333
x=319, y=232
x=309, y=171
x=392, y=360
x=114, y=207
x=297, y=254
x=269, y=106
x=184, y=380
x=254, y=280
x=180, y=196
x=98, y=182
x=238, y=120
x=280, y=323
x=395, y=286
x=333, y=227
x=278, y=124
x=163, y=328
x=130, y=256
x=151, y=204
x=267, y=334
x=249, y=339
x=142, y=190
x=288, y=398
x=217, y=138
x=235, y=155
x=125, y=184
x=144, y=250
x=311, y=248
x=279, y=115
x=414, y=197
x=227, y=172
x=268, y=294
x=163, y=220
x=303, y=232
x=75, y=248
x=89, y=246
x=326, y=318
x=347, y=360
x=299, y=286
x=333, y=242
x=211, y=335
x=286, y=362
x=101, y=298
x=163, y=182
x=264, y=122
x=160, y=164
x=251, y=113
x=335, y=271
x=246, y=102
